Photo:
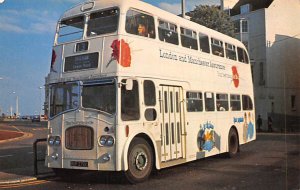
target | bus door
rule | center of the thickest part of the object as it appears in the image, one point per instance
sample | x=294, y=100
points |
x=171, y=122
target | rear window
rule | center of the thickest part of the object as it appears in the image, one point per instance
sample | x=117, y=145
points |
x=70, y=29
x=103, y=22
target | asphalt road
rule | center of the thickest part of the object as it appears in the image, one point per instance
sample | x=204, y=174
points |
x=271, y=162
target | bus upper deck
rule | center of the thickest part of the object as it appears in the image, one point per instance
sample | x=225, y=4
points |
x=103, y=38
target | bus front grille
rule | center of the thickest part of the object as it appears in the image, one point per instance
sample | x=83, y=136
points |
x=79, y=138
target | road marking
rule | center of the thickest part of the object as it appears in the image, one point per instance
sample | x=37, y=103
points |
x=39, y=129
x=4, y=156
x=23, y=184
x=38, y=152
x=17, y=128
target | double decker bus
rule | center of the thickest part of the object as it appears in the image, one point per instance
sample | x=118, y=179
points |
x=134, y=88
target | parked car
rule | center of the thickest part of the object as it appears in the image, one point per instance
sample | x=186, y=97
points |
x=36, y=118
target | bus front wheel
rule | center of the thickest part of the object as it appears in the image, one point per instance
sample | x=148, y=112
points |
x=140, y=161
x=233, y=143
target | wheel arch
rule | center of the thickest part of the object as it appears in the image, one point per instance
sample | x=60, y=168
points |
x=149, y=139
x=237, y=132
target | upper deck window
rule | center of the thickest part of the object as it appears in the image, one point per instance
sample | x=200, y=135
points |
x=140, y=24
x=103, y=22
x=168, y=32
x=230, y=51
x=242, y=55
x=70, y=29
x=189, y=38
x=204, y=43
x=217, y=47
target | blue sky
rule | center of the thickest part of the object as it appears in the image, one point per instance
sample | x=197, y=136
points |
x=26, y=36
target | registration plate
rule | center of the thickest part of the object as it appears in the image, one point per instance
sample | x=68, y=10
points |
x=79, y=164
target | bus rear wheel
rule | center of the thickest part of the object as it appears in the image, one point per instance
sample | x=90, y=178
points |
x=140, y=161
x=233, y=143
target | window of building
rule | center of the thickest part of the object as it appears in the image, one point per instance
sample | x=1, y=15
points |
x=167, y=32
x=230, y=51
x=247, y=102
x=244, y=26
x=293, y=102
x=130, y=109
x=217, y=47
x=222, y=102
x=189, y=38
x=237, y=26
x=204, y=43
x=245, y=8
x=261, y=74
x=194, y=101
x=235, y=102
x=140, y=24
x=209, y=101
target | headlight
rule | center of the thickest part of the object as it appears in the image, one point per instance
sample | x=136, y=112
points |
x=54, y=140
x=110, y=141
x=102, y=140
x=106, y=141
x=57, y=141
x=51, y=140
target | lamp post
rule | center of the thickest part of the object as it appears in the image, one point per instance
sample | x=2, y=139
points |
x=17, y=104
x=1, y=78
x=40, y=105
x=183, y=8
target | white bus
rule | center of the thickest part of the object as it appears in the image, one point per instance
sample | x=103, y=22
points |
x=134, y=88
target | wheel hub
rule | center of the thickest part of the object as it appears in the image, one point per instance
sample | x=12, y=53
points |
x=141, y=161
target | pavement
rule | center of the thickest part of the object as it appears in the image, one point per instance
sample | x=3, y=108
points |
x=17, y=175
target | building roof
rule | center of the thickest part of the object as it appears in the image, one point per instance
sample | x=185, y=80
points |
x=255, y=5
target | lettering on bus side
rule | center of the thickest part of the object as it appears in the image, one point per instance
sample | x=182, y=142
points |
x=238, y=119
x=167, y=54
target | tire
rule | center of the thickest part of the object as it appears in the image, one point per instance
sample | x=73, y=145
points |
x=140, y=161
x=233, y=143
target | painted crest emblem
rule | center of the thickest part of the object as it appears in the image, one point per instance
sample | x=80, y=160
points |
x=206, y=137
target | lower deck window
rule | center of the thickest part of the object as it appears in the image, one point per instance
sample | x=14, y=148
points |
x=222, y=102
x=209, y=101
x=130, y=109
x=194, y=101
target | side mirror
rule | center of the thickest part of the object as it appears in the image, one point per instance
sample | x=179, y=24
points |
x=129, y=84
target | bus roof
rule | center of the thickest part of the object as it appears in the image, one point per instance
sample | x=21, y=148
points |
x=94, y=5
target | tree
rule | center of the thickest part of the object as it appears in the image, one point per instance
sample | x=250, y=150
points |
x=214, y=18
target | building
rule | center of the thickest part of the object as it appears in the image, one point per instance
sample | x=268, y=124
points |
x=270, y=29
